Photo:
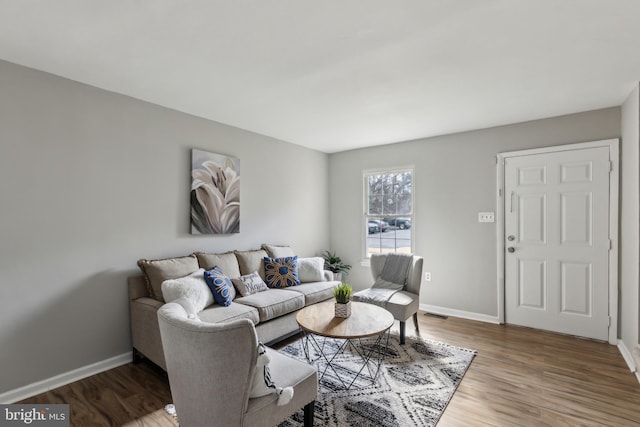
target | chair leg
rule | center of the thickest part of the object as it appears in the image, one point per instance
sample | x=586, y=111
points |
x=309, y=410
x=415, y=322
x=402, y=325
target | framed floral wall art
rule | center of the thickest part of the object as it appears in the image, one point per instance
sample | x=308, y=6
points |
x=215, y=193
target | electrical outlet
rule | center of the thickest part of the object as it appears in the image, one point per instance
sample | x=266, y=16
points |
x=486, y=217
x=427, y=276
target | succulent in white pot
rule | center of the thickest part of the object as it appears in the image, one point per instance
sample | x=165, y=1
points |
x=342, y=294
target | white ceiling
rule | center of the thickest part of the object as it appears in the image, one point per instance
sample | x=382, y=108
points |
x=339, y=74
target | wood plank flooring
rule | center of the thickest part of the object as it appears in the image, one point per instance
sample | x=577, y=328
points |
x=520, y=377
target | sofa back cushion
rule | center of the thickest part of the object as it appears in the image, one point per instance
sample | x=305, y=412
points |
x=278, y=251
x=159, y=270
x=250, y=261
x=227, y=262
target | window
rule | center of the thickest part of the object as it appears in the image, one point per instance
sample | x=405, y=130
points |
x=388, y=211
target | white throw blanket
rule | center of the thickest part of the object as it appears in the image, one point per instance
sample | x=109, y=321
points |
x=395, y=268
x=377, y=296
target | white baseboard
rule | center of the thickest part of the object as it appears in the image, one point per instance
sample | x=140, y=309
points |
x=29, y=390
x=444, y=311
x=627, y=356
x=629, y=359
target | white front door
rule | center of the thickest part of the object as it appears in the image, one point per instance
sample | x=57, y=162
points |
x=556, y=217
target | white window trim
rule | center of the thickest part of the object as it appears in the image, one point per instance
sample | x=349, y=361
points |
x=411, y=168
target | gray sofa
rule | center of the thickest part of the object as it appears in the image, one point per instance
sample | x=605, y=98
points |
x=272, y=312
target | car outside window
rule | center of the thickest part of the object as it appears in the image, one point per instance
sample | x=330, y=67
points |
x=388, y=211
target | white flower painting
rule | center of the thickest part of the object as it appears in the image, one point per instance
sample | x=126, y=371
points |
x=215, y=193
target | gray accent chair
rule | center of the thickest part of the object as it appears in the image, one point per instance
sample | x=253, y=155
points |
x=405, y=303
x=211, y=366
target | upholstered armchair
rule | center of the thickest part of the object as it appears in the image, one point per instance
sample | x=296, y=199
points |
x=402, y=303
x=211, y=366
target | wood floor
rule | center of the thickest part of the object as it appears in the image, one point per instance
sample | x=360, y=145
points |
x=520, y=377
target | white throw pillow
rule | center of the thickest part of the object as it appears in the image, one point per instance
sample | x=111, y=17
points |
x=311, y=269
x=192, y=286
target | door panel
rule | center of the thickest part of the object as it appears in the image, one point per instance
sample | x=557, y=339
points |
x=532, y=284
x=576, y=285
x=532, y=212
x=557, y=267
x=575, y=213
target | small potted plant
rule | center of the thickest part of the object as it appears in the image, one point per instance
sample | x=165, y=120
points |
x=334, y=263
x=342, y=294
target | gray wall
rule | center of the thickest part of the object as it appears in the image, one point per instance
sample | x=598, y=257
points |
x=455, y=178
x=91, y=181
x=629, y=220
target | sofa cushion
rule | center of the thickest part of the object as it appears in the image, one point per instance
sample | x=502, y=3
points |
x=249, y=284
x=250, y=261
x=311, y=269
x=273, y=303
x=216, y=313
x=278, y=251
x=227, y=261
x=281, y=272
x=194, y=287
x=315, y=291
x=221, y=286
x=159, y=270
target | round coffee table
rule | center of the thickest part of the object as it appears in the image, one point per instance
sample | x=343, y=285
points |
x=318, y=323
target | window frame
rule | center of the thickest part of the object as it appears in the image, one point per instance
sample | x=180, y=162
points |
x=367, y=215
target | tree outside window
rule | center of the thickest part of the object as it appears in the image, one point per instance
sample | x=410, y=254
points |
x=388, y=211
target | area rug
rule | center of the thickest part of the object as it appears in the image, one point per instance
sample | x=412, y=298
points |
x=415, y=383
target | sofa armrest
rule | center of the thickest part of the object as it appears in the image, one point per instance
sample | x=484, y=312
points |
x=137, y=287
x=145, y=332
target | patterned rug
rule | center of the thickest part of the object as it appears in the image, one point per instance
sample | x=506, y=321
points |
x=415, y=383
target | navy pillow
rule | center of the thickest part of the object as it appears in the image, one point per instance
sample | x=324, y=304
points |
x=281, y=272
x=221, y=286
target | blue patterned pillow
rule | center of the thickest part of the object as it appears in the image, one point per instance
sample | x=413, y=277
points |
x=281, y=272
x=221, y=286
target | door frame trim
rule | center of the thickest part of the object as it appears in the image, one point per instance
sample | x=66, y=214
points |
x=614, y=194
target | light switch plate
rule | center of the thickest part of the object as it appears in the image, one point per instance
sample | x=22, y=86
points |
x=486, y=217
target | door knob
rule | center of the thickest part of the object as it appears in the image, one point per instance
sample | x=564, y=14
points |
x=511, y=249
x=511, y=238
